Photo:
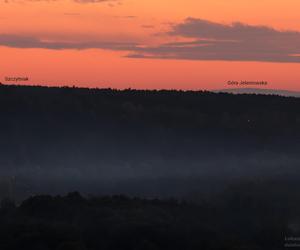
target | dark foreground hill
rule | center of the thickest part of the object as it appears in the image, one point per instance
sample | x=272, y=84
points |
x=153, y=143
x=112, y=223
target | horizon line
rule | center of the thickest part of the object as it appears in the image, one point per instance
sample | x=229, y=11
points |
x=216, y=91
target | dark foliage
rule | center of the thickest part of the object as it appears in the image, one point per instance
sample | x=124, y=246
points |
x=243, y=219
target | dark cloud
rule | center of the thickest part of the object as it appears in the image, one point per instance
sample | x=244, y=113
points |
x=17, y=41
x=234, y=42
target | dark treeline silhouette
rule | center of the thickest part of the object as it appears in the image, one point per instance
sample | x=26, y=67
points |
x=118, y=222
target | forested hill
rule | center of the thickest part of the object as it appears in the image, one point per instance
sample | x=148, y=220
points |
x=85, y=134
x=163, y=109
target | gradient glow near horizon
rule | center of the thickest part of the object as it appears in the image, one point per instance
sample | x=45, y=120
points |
x=191, y=44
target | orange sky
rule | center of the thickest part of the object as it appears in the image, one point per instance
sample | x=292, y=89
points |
x=142, y=22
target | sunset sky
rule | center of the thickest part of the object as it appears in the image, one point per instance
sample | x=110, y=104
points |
x=190, y=44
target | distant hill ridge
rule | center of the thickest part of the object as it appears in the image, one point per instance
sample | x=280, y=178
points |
x=259, y=91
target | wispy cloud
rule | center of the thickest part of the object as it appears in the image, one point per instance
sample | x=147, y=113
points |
x=230, y=42
x=19, y=41
x=204, y=40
